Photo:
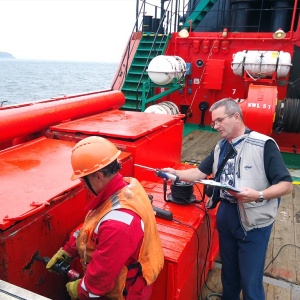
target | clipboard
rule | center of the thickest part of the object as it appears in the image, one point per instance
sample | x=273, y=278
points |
x=218, y=185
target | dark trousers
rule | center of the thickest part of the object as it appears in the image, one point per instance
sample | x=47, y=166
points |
x=242, y=254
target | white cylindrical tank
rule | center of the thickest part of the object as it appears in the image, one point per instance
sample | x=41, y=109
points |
x=261, y=64
x=163, y=69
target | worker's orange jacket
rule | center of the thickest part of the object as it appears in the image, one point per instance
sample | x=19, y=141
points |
x=151, y=257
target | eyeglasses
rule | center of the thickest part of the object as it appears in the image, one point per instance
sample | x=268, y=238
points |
x=219, y=121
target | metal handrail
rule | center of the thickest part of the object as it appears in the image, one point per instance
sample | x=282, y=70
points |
x=168, y=21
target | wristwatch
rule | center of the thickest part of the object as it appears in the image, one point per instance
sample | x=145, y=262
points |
x=260, y=197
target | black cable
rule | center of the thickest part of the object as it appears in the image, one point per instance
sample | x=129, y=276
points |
x=209, y=237
x=286, y=245
x=287, y=115
x=213, y=294
x=209, y=243
x=182, y=191
x=279, y=253
x=209, y=288
x=201, y=194
x=292, y=90
x=198, y=247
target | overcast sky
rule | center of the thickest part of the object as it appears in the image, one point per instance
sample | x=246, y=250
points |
x=80, y=30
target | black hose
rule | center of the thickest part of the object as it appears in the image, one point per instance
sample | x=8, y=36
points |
x=181, y=192
x=287, y=116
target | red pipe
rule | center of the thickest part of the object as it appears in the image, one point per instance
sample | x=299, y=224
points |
x=18, y=121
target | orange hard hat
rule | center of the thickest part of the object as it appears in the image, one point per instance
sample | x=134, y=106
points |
x=92, y=154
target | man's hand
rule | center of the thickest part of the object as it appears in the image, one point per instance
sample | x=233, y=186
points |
x=192, y=174
x=59, y=256
x=169, y=170
x=246, y=195
x=72, y=288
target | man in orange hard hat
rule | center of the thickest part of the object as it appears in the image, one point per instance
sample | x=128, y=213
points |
x=118, y=243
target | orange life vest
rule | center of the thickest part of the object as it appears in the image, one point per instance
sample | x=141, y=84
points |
x=151, y=257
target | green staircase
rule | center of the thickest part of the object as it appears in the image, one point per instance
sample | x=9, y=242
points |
x=151, y=45
x=199, y=13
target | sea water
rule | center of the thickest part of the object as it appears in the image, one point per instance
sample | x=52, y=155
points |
x=33, y=80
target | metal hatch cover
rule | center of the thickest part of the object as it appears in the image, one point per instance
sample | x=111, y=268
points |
x=119, y=124
x=31, y=175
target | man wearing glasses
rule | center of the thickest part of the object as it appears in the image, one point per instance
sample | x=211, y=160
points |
x=252, y=163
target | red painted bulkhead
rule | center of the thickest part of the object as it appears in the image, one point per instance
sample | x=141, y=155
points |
x=214, y=79
x=210, y=60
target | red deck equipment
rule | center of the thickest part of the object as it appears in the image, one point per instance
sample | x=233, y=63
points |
x=39, y=116
x=41, y=206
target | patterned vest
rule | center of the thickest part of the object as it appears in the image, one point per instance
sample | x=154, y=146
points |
x=250, y=172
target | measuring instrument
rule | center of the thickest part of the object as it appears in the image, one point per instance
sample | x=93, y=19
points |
x=160, y=173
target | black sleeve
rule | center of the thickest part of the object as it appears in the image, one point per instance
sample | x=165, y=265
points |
x=275, y=167
x=206, y=164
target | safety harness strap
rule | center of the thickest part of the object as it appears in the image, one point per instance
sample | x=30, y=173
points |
x=133, y=279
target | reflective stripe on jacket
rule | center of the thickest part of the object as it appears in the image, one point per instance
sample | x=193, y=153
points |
x=151, y=257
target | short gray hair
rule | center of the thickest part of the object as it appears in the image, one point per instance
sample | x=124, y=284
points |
x=231, y=106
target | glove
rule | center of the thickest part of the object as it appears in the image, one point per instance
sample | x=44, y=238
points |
x=59, y=255
x=72, y=288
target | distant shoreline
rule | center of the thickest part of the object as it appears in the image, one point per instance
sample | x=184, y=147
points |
x=6, y=55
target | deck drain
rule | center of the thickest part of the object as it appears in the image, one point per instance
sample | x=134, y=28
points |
x=298, y=217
